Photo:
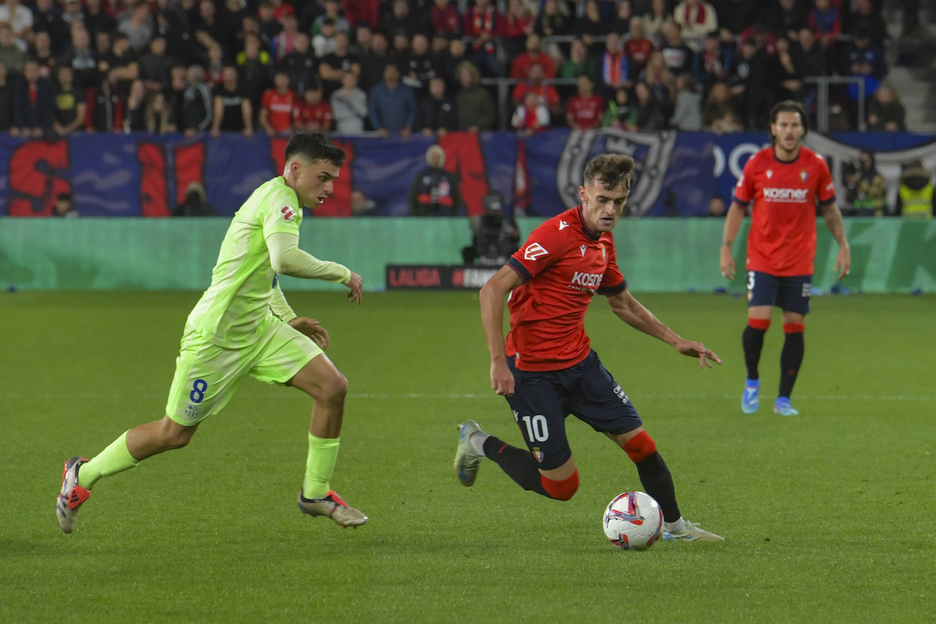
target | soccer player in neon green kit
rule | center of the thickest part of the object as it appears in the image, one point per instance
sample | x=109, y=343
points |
x=243, y=326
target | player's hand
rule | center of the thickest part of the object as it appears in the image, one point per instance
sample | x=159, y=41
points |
x=726, y=263
x=843, y=262
x=355, y=284
x=697, y=349
x=311, y=328
x=502, y=379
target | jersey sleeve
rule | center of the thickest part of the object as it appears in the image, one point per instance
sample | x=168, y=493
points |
x=744, y=189
x=542, y=249
x=280, y=213
x=826, y=192
x=613, y=282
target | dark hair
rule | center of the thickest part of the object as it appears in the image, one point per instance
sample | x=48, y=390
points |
x=314, y=146
x=610, y=170
x=789, y=106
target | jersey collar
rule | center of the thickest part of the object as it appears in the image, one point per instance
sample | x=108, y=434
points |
x=588, y=232
x=786, y=162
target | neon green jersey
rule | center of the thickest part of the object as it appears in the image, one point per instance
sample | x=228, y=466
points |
x=235, y=310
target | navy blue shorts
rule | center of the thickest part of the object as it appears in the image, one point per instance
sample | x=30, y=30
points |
x=542, y=401
x=787, y=293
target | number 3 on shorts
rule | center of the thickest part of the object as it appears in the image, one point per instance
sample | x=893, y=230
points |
x=197, y=395
x=750, y=280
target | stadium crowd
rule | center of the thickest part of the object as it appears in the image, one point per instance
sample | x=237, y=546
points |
x=403, y=66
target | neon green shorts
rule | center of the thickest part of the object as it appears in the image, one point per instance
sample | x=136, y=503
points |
x=207, y=376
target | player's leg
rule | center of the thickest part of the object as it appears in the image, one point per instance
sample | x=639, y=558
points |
x=539, y=406
x=601, y=402
x=291, y=358
x=328, y=388
x=198, y=390
x=762, y=291
x=794, y=300
x=657, y=481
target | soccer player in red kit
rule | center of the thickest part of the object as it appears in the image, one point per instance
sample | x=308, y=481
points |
x=546, y=368
x=785, y=181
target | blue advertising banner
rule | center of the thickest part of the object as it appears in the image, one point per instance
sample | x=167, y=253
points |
x=145, y=175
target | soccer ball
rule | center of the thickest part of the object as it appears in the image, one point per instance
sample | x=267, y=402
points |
x=633, y=521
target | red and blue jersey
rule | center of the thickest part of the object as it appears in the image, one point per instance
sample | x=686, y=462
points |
x=782, y=239
x=563, y=265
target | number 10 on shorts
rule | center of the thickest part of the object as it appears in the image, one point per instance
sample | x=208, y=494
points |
x=536, y=428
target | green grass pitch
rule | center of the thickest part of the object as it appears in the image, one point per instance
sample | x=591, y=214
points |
x=829, y=517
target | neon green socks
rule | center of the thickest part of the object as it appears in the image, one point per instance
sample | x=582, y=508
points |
x=115, y=458
x=323, y=453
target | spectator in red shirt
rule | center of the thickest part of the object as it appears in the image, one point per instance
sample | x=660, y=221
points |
x=531, y=115
x=276, y=108
x=585, y=111
x=637, y=48
x=313, y=114
x=445, y=18
x=535, y=83
x=362, y=13
x=485, y=25
x=518, y=23
x=520, y=69
x=282, y=9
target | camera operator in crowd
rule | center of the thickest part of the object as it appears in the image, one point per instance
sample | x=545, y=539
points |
x=494, y=237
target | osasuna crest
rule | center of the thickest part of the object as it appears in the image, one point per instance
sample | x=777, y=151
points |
x=538, y=454
x=288, y=213
x=803, y=175
x=651, y=152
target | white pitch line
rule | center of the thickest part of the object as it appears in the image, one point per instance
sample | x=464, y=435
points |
x=465, y=395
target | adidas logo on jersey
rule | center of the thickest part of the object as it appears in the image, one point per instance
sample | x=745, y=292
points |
x=785, y=194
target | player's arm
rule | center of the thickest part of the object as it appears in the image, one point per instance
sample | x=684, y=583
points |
x=308, y=326
x=287, y=259
x=833, y=220
x=733, y=221
x=492, y=319
x=634, y=314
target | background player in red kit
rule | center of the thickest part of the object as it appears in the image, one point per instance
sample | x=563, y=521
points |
x=547, y=369
x=784, y=181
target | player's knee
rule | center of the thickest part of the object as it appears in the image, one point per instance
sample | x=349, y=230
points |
x=561, y=490
x=335, y=390
x=640, y=447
